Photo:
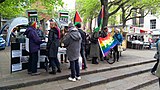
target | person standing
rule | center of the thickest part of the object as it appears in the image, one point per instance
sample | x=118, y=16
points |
x=40, y=33
x=34, y=47
x=83, y=35
x=155, y=66
x=94, y=50
x=63, y=56
x=103, y=34
x=52, y=48
x=119, y=38
x=72, y=41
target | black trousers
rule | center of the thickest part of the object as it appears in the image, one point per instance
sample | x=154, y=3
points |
x=54, y=62
x=155, y=66
x=82, y=52
x=116, y=51
x=32, y=63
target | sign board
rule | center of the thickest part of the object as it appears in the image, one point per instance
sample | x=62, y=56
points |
x=64, y=18
x=32, y=15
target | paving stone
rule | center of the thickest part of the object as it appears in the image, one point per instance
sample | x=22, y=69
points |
x=128, y=57
x=66, y=84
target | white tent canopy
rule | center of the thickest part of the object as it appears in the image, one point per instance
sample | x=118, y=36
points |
x=14, y=23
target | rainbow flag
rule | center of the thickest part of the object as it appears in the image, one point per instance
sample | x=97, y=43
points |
x=106, y=44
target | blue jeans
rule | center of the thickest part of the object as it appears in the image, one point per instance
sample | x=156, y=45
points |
x=75, y=70
x=32, y=62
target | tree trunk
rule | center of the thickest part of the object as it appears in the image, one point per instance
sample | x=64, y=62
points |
x=123, y=17
x=0, y=21
x=106, y=14
x=90, y=25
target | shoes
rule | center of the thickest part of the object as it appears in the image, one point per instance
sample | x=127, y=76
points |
x=29, y=72
x=72, y=79
x=66, y=62
x=84, y=68
x=34, y=74
x=52, y=72
x=59, y=71
x=62, y=62
x=153, y=73
x=78, y=78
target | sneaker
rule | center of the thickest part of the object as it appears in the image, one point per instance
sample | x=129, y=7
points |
x=78, y=78
x=72, y=79
x=34, y=74
x=153, y=73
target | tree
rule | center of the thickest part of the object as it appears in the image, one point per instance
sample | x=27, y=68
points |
x=108, y=5
x=47, y=7
x=13, y=8
x=135, y=9
x=88, y=9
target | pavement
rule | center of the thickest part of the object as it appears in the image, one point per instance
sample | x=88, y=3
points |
x=21, y=78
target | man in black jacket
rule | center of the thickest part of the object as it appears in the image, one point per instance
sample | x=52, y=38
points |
x=103, y=34
x=83, y=35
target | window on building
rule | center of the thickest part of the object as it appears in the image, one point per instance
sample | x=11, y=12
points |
x=153, y=24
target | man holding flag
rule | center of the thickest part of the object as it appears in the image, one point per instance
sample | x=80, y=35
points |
x=77, y=23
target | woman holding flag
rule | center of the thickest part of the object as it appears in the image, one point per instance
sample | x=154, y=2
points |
x=94, y=51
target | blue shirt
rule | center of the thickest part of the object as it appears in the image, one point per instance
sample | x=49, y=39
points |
x=119, y=38
x=158, y=41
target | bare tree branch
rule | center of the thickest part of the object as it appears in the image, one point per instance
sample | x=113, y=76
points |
x=138, y=16
x=127, y=7
x=113, y=3
x=118, y=7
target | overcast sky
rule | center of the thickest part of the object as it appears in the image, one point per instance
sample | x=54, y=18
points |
x=69, y=4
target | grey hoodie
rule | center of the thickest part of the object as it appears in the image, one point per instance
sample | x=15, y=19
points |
x=72, y=42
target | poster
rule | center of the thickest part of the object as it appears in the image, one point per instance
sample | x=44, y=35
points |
x=27, y=44
x=16, y=67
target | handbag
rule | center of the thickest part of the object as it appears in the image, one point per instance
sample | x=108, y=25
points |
x=120, y=48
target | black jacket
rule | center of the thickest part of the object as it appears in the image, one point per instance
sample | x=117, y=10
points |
x=83, y=35
x=53, y=43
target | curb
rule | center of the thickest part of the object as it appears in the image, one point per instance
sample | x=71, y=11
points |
x=144, y=84
x=31, y=83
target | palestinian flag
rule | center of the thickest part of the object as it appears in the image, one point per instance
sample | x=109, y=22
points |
x=100, y=19
x=64, y=15
x=77, y=18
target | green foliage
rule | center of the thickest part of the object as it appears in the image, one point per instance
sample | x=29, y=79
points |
x=10, y=8
x=88, y=8
x=14, y=8
x=113, y=19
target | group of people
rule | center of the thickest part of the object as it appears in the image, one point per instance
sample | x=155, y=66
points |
x=95, y=51
x=74, y=39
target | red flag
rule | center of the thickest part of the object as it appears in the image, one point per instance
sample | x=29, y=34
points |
x=77, y=18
